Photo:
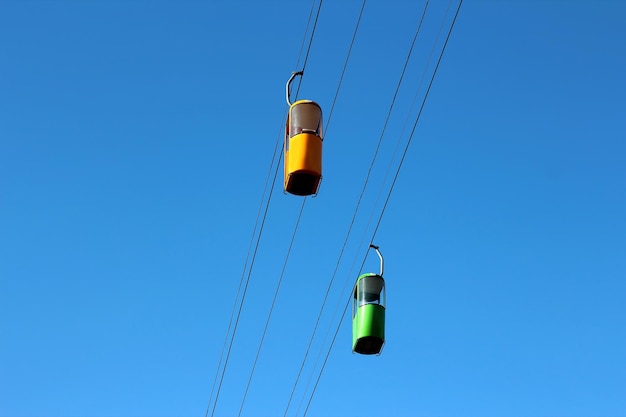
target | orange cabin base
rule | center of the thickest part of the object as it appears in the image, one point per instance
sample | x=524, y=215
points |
x=302, y=183
x=303, y=164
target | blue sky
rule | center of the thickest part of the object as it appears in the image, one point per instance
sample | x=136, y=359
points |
x=135, y=142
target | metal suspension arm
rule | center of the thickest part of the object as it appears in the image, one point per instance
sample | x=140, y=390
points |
x=382, y=262
x=288, y=86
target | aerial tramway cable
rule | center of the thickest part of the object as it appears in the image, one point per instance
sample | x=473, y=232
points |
x=304, y=201
x=299, y=217
x=389, y=194
x=258, y=238
x=357, y=205
x=269, y=316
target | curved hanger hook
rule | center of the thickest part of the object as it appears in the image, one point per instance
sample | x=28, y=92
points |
x=288, y=86
x=382, y=262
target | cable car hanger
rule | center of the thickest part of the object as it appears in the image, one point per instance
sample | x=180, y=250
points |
x=382, y=262
x=288, y=86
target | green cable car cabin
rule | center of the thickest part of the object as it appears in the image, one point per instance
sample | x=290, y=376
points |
x=303, y=146
x=368, y=312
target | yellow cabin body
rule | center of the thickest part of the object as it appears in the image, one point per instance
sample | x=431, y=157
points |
x=303, y=148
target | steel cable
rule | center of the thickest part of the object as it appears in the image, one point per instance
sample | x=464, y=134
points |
x=275, y=153
x=388, y=194
x=357, y=208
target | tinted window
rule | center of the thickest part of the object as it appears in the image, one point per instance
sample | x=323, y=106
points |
x=371, y=290
x=307, y=118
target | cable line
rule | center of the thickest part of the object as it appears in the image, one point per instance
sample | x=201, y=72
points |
x=298, y=219
x=364, y=187
x=345, y=64
x=308, y=49
x=232, y=314
x=242, y=300
x=303, y=204
x=390, y=191
x=267, y=322
x=418, y=89
x=357, y=208
x=327, y=127
x=256, y=246
x=275, y=153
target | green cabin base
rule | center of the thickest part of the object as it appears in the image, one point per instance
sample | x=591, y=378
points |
x=369, y=345
x=368, y=329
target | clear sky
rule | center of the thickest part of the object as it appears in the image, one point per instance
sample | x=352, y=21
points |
x=136, y=137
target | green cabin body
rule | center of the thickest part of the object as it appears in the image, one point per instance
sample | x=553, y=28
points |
x=368, y=315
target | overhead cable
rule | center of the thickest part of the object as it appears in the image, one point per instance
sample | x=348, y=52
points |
x=258, y=237
x=269, y=316
x=389, y=193
x=357, y=206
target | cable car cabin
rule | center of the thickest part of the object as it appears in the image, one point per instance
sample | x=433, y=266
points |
x=303, y=148
x=368, y=315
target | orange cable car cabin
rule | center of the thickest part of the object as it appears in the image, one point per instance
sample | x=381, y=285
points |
x=303, y=146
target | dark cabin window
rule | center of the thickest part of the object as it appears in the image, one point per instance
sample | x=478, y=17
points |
x=305, y=118
x=371, y=290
